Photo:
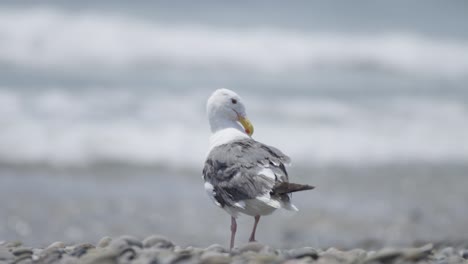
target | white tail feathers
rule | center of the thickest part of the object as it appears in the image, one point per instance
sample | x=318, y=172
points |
x=290, y=207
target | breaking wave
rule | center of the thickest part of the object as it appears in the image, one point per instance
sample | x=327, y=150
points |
x=56, y=40
x=68, y=128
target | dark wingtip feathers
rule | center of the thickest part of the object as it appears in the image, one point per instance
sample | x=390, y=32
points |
x=287, y=187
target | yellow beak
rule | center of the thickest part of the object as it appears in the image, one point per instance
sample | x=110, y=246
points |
x=249, y=129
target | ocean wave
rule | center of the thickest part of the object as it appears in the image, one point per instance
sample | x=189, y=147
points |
x=58, y=40
x=63, y=128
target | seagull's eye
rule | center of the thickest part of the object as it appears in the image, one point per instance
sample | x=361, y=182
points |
x=234, y=101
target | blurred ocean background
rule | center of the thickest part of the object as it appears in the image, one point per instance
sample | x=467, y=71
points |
x=103, y=128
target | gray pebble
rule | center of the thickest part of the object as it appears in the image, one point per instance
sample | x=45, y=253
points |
x=68, y=260
x=269, y=251
x=464, y=253
x=5, y=254
x=57, y=244
x=416, y=254
x=51, y=255
x=117, y=245
x=335, y=255
x=79, y=250
x=251, y=246
x=192, y=250
x=454, y=260
x=215, y=258
x=127, y=255
x=358, y=254
x=384, y=255
x=104, y=242
x=183, y=257
x=206, y=254
x=448, y=251
x=302, y=252
x=20, y=251
x=158, y=242
x=12, y=244
x=131, y=241
x=253, y=257
x=103, y=256
x=216, y=248
x=23, y=259
x=22, y=255
x=147, y=256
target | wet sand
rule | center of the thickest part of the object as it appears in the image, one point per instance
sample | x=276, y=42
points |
x=372, y=208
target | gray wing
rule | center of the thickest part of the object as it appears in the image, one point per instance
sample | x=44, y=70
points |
x=244, y=169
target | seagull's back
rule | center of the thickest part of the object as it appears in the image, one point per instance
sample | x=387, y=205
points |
x=246, y=176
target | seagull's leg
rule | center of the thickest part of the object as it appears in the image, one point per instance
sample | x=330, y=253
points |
x=252, y=236
x=233, y=231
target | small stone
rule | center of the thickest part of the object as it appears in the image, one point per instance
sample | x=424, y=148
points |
x=213, y=253
x=5, y=254
x=50, y=255
x=302, y=252
x=269, y=251
x=215, y=258
x=23, y=259
x=265, y=259
x=57, y=244
x=163, y=255
x=384, y=255
x=127, y=255
x=118, y=245
x=22, y=251
x=464, y=254
x=358, y=254
x=66, y=259
x=183, y=257
x=124, y=242
x=305, y=261
x=148, y=256
x=216, y=248
x=335, y=255
x=158, y=242
x=104, y=242
x=13, y=244
x=416, y=254
x=104, y=256
x=448, y=251
x=454, y=260
x=131, y=241
x=22, y=254
x=192, y=250
x=251, y=246
x=80, y=250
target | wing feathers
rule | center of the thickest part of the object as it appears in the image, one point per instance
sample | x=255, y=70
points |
x=287, y=187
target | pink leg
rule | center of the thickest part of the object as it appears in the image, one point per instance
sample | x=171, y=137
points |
x=252, y=236
x=233, y=231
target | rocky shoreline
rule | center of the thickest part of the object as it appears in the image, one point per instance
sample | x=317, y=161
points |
x=157, y=249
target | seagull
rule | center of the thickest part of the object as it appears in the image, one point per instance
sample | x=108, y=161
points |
x=242, y=175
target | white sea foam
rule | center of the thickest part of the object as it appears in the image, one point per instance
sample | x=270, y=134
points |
x=65, y=128
x=56, y=40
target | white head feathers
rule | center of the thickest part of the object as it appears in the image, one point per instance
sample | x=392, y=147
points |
x=227, y=117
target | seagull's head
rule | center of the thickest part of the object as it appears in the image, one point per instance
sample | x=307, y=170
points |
x=226, y=105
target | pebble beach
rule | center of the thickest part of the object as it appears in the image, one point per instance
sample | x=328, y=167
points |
x=158, y=249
